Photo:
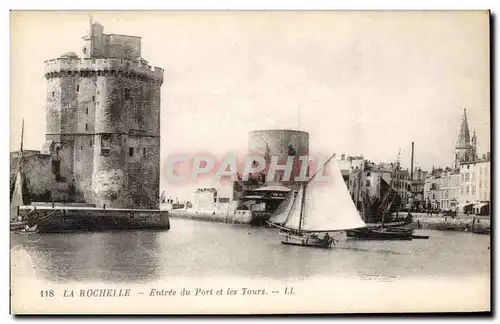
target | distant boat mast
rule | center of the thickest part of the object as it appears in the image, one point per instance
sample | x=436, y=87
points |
x=22, y=138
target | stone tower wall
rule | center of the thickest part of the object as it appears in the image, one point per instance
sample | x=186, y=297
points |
x=104, y=117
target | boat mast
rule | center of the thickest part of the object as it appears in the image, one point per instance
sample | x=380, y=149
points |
x=302, y=203
x=315, y=173
x=19, y=164
x=301, y=219
x=22, y=136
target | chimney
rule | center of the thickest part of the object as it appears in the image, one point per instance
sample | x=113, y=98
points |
x=412, y=151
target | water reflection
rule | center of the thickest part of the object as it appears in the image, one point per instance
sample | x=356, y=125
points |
x=203, y=249
x=110, y=257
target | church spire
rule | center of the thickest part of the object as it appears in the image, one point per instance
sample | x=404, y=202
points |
x=463, y=139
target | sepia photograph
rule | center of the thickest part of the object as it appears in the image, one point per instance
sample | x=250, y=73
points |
x=250, y=162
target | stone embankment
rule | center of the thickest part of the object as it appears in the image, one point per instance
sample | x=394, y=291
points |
x=471, y=223
x=236, y=217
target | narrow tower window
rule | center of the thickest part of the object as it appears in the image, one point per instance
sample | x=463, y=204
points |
x=53, y=93
x=144, y=151
x=93, y=98
x=127, y=94
x=130, y=151
x=86, y=127
x=78, y=88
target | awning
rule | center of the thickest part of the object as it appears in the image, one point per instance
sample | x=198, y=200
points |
x=252, y=197
x=273, y=188
x=481, y=205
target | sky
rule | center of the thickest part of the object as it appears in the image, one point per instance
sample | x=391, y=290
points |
x=366, y=83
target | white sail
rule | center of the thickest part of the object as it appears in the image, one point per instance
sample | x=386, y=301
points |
x=280, y=215
x=17, y=196
x=293, y=220
x=328, y=205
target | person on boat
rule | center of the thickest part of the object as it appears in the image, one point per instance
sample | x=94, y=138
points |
x=327, y=238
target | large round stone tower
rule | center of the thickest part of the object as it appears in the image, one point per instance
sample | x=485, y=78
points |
x=280, y=143
x=103, y=122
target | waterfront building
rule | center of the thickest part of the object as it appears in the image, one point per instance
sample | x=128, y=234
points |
x=432, y=192
x=475, y=183
x=103, y=125
x=466, y=186
x=417, y=184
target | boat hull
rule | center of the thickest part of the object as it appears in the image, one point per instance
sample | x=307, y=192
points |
x=308, y=241
x=55, y=220
x=380, y=234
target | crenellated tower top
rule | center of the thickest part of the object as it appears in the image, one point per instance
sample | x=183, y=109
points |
x=105, y=54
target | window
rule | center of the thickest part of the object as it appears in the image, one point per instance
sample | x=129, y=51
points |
x=127, y=94
x=53, y=94
x=130, y=151
x=367, y=183
x=144, y=151
x=368, y=174
x=86, y=110
x=93, y=98
x=480, y=183
x=56, y=169
x=150, y=93
x=86, y=127
x=105, y=145
x=78, y=88
x=91, y=143
x=81, y=148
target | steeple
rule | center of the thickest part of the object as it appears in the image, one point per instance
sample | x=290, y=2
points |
x=463, y=140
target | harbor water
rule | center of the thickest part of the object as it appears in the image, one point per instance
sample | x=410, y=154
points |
x=200, y=249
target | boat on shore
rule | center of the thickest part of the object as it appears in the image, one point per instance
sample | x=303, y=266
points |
x=318, y=208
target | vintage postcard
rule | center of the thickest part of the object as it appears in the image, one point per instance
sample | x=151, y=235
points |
x=250, y=162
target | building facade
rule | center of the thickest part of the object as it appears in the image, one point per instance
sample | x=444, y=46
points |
x=103, y=122
x=465, y=185
x=475, y=182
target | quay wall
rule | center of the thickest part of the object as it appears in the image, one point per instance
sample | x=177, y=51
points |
x=229, y=217
x=72, y=218
x=466, y=224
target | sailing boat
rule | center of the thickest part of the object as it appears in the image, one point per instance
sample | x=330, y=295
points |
x=317, y=207
x=17, y=198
